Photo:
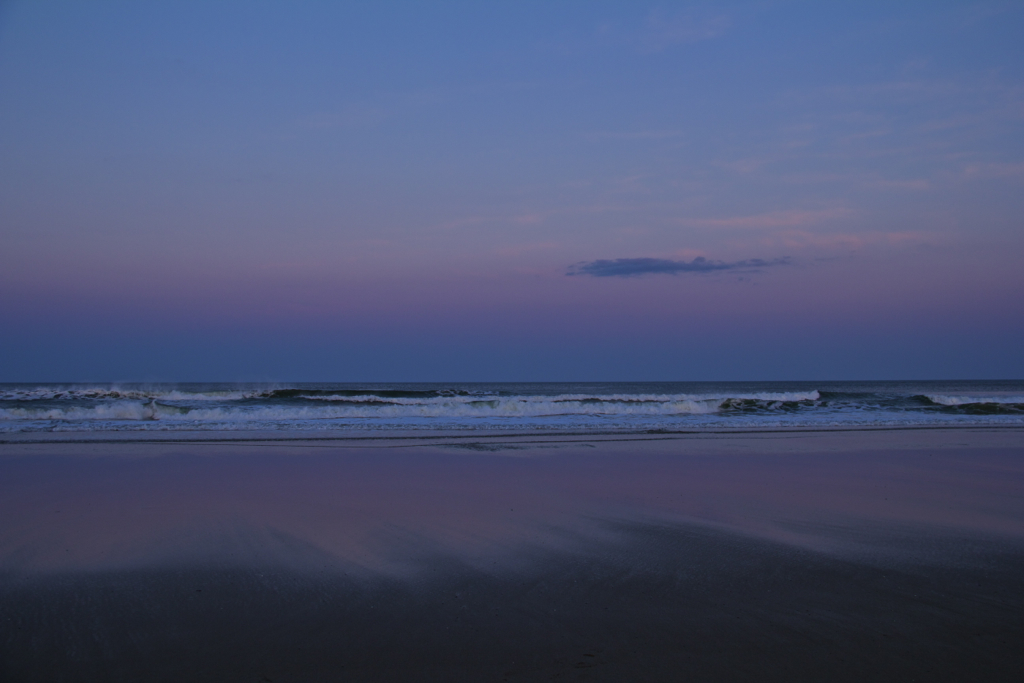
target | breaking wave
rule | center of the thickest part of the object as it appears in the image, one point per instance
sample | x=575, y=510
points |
x=975, y=400
x=642, y=406
x=369, y=406
x=105, y=393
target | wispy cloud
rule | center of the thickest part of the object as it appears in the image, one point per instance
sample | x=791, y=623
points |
x=635, y=267
x=635, y=135
x=748, y=165
x=802, y=239
x=352, y=116
x=994, y=170
x=772, y=219
x=663, y=30
x=917, y=184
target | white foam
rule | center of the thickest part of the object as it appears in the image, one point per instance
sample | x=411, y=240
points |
x=138, y=404
x=968, y=399
x=570, y=398
x=434, y=408
x=121, y=410
x=102, y=408
x=115, y=393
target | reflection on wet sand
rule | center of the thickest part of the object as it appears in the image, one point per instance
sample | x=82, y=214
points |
x=775, y=555
x=112, y=505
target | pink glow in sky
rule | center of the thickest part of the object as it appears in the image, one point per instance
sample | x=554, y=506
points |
x=399, y=192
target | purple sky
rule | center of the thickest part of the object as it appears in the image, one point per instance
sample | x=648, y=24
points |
x=511, y=191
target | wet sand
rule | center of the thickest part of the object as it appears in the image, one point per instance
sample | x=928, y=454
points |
x=874, y=555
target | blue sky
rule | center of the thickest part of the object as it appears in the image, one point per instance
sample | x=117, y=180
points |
x=421, y=191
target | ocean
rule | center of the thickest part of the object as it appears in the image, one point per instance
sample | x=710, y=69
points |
x=549, y=406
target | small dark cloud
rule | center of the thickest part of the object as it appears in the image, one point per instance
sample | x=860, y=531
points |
x=634, y=267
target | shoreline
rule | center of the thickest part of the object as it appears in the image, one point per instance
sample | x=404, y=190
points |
x=433, y=436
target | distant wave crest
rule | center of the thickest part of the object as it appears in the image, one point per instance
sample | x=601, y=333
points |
x=620, y=406
x=370, y=406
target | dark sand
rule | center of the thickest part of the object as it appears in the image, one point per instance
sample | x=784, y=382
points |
x=786, y=556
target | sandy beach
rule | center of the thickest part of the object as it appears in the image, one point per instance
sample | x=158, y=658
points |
x=799, y=555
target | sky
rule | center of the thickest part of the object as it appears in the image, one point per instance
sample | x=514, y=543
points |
x=511, y=191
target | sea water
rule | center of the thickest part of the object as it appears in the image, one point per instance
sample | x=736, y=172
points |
x=591, y=406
